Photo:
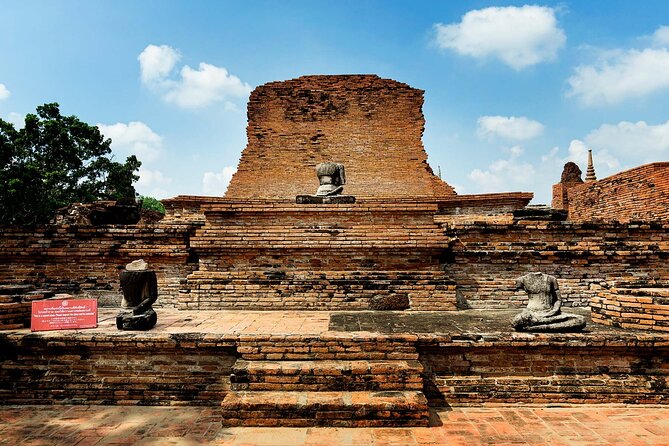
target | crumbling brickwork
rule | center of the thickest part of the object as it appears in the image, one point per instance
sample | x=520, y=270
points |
x=644, y=308
x=16, y=304
x=488, y=258
x=540, y=369
x=88, y=259
x=107, y=369
x=641, y=194
x=371, y=125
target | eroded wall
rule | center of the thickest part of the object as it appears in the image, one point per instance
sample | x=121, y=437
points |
x=87, y=260
x=488, y=258
x=371, y=125
x=641, y=193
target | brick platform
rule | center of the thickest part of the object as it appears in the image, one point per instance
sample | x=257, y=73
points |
x=223, y=357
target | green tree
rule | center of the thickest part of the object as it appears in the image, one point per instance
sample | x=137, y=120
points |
x=54, y=161
x=152, y=204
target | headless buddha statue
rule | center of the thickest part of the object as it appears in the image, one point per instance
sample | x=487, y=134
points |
x=140, y=291
x=331, y=177
x=543, y=309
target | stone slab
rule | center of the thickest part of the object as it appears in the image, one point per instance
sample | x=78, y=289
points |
x=330, y=199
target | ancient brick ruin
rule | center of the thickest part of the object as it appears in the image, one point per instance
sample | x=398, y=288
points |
x=639, y=194
x=371, y=125
x=408, y=235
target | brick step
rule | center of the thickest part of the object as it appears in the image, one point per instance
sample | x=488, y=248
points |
x=340, y=409
x=351, y=375
x=310, y=349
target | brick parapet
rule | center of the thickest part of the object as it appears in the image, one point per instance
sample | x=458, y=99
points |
x=637, y=308
x=641, y=193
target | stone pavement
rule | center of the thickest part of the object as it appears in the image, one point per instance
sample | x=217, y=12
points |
x=232, y=322
x=518, y=425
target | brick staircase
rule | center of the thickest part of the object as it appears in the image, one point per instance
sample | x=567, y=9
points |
x=327, y=381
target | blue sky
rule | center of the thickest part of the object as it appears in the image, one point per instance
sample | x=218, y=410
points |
x=512, y=90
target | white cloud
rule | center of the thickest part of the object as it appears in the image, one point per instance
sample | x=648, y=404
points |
x=631, y=138
x=156, y=62
x=4, y=92
x=217, y=183
x=578, y=153
x=151, y=183
x=505, y=174
x=208, y=84
x=17, y=119
x=621, y=75
x=149, y=178
x=509, y=127
x=194, y=88
x=518, y=36
x=661, y=36
x=134, y=138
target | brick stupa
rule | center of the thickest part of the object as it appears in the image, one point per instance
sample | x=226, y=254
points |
x=371, y=125
x=259, y=249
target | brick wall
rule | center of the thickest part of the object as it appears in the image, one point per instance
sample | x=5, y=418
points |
x=546, y=371
x=105, y=369
x=459, y=369
x=338, y=261
x=371, y=125
x=639, y=308
x=88, y=259
x=641, y=193
x=317, y=290
x=277, y=255
x=488, y=258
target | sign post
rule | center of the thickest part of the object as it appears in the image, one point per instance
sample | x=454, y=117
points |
x=64, y=314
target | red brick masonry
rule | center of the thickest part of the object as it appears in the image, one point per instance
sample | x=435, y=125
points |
x=640, y=308
x=641, y=193
x=582, y=425
x=199, y=358
x=373, y=126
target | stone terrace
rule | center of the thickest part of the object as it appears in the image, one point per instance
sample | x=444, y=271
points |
x=355, y=369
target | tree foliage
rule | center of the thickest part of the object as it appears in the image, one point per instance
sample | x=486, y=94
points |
x=54, y=161
x=152, y=204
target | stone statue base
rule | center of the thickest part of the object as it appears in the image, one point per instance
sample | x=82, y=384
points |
x=560, y=323
x=126, y=320
x=325, y=199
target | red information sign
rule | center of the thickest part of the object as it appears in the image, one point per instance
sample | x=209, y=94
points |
x=64, y=314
